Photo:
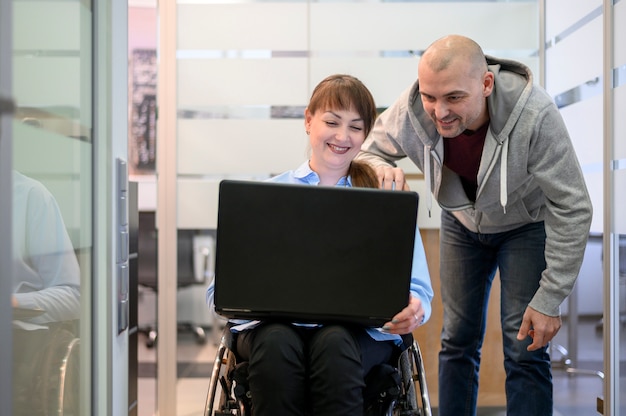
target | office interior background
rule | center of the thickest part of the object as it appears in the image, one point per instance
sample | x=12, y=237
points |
x=81, y=83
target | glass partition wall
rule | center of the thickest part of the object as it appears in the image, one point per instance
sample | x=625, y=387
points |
x=64, y=350
x=52, y=205
x=590, y=93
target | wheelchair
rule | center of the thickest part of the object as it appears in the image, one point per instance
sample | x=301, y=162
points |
x=47, y=381
x=229, y=395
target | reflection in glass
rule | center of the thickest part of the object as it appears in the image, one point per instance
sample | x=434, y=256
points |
x=52, y=86
x=46, y=304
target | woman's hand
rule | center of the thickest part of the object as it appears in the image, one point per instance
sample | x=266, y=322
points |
x=407, y=320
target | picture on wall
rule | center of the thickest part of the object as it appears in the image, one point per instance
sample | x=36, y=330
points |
x=143, y=107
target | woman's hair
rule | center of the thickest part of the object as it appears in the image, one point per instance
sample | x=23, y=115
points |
x=345, y=92
x=362, y=174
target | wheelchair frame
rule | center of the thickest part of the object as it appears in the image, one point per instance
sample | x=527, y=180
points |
x=222, y=402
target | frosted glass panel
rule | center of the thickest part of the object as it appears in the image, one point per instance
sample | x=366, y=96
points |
x=61, y=21
x=33, y=150
x=619, y=125
x=60, y=174
x=619, y=201
x=197, y=203
x=565, y=13
x=619, y=37
x=280, y=81
x=594, y=181
x=285, y=81
x=584, y=123
x=238, y=61
x=412, y=26
x=49, y=52
x=35, y=88
x=385, y=78
x=273, y=26
x=575, y=60
x=227, y=147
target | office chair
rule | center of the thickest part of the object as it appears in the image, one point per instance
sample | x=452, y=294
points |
x=194, y=256
x=194, y=268
x=228, y=393
x=147, y=265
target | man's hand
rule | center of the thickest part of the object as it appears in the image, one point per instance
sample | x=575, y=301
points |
x=541, y=328
x=391, y=178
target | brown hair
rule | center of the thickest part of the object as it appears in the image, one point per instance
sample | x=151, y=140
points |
x=363, y=175
x=345, y=92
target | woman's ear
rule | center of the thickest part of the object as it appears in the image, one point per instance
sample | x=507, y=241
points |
x=307, y=120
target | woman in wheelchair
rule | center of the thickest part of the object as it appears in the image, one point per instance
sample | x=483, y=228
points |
x=296, y=369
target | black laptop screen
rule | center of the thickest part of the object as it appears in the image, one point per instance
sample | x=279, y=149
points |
x=313, y=254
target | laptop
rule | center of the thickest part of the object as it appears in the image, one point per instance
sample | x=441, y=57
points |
x=313, y=254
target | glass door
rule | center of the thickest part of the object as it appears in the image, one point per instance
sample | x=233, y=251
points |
x=51, y=182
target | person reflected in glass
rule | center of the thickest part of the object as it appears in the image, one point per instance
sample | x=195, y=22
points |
x=46, y=289
x=300, y=369
x=47, y=275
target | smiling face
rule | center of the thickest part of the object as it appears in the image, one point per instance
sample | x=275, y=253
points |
x=454, y=84
x=336, y=137
x=339, y=117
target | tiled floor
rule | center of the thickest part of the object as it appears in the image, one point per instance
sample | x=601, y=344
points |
x=574, y=394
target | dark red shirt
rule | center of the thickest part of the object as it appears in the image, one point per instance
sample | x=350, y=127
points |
x=462, y=154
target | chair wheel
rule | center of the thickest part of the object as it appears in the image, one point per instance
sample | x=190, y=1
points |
x=151, y=340
x=200, y=335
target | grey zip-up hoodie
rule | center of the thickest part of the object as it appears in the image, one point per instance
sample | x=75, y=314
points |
x=528, y=172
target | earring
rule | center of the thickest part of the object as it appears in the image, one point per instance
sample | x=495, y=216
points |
x=308, y=132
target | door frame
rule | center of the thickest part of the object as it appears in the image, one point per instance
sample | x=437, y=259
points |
x=6, y=188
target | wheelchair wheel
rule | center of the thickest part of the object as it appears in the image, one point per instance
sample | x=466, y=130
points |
x=46, y=373
x=219, y=400
x=69, y=386
x=59, y=383
x=415, y=400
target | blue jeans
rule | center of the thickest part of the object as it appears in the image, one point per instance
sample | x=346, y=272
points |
x=468, y=265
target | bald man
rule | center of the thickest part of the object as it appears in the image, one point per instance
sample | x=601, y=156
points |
x=498, y=159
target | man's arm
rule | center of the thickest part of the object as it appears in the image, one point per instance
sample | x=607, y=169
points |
x=382, y=147
x=554, y=165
